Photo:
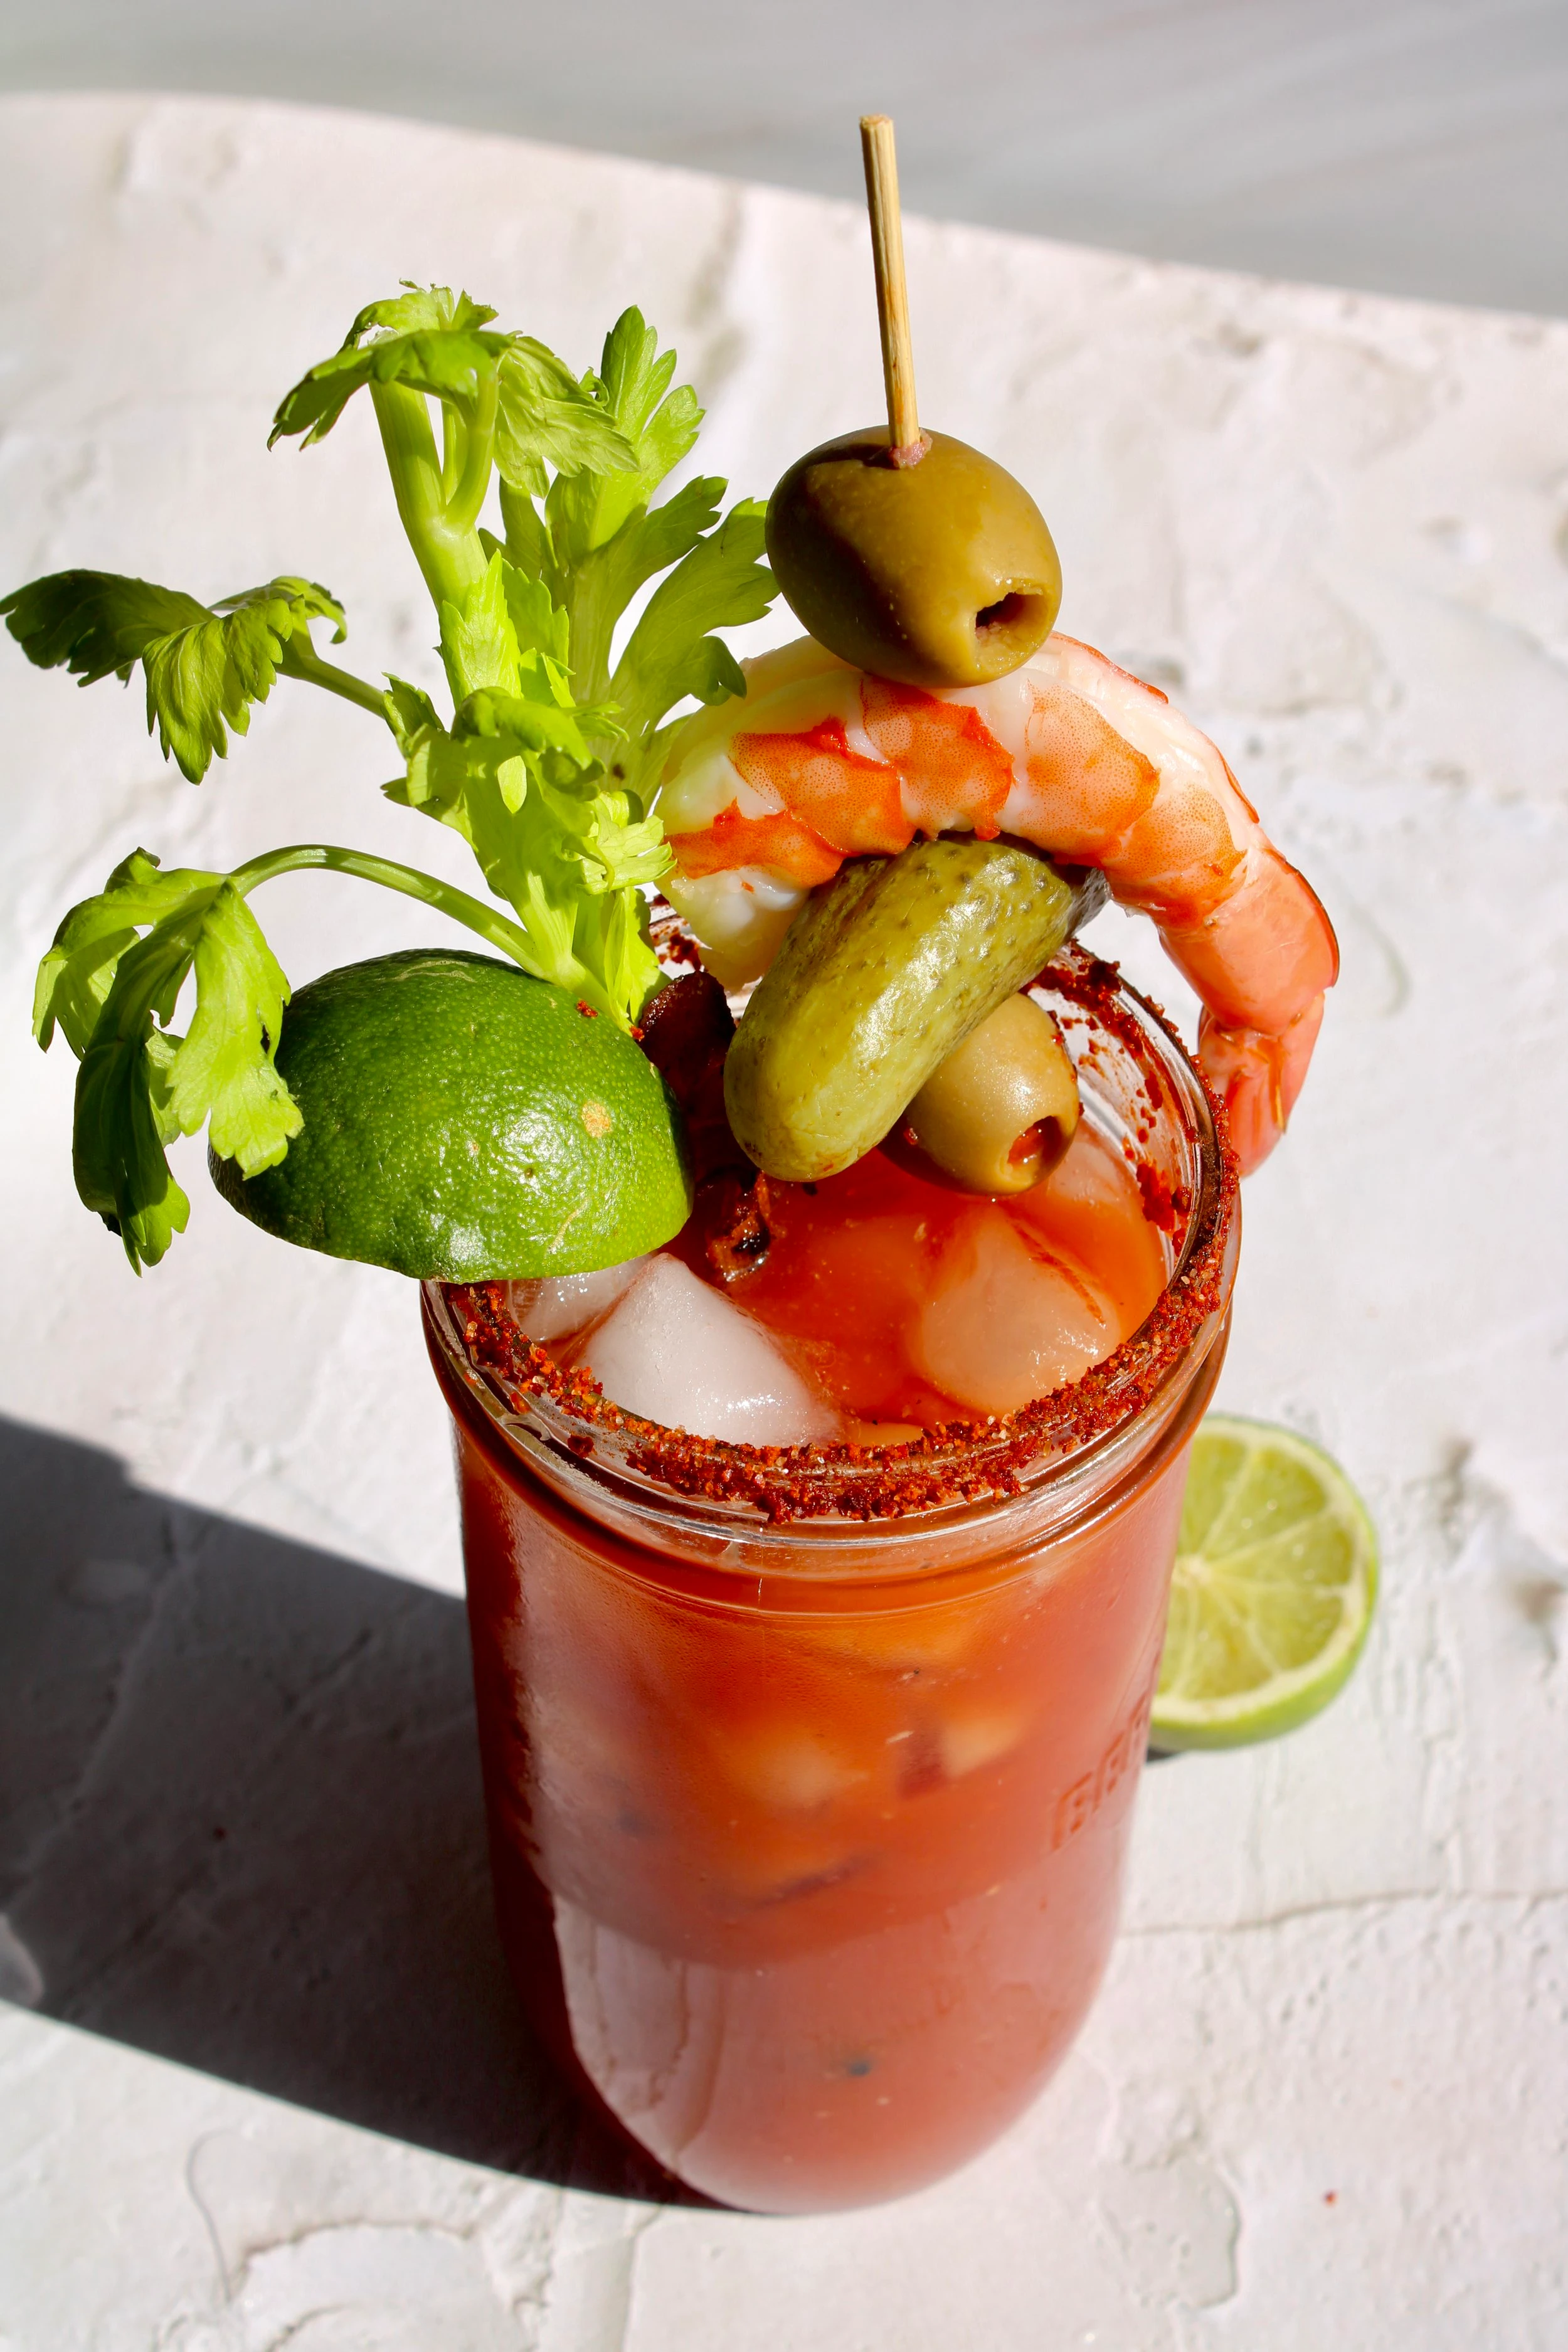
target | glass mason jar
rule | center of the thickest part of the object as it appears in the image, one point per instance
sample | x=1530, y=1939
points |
x=809, y=1773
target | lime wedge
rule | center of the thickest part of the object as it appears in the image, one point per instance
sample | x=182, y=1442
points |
x=1272, y=1596
x=464, y=1121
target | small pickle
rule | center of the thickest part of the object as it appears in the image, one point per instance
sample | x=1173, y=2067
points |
x=941, y=572
x=883, y=973
x=1003, y=1108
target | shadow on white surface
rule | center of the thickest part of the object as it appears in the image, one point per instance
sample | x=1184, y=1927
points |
x=243, y=1827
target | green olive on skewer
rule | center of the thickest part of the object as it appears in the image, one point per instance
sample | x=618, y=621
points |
x=940, y=572
x=908, y=553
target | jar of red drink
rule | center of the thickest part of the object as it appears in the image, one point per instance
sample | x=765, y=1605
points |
x=809, y=1768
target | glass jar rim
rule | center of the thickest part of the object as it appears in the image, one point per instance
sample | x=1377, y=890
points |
x=666, y=1487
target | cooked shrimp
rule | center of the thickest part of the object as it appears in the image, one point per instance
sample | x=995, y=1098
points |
x=764, y=799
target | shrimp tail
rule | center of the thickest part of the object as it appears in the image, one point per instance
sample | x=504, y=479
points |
x=1258, y=1076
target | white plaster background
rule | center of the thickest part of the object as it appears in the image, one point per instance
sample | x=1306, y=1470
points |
x=1324, y=2096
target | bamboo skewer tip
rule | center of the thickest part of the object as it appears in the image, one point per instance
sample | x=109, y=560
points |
x=908, y=445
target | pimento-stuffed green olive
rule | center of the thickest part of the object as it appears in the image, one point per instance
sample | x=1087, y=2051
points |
x=1004, y=1107
x=940, y=572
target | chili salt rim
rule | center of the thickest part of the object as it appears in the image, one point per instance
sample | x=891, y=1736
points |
x=961, y=1461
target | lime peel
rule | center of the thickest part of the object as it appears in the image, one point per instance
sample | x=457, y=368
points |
x=464, y=1123
x=1273, y=1590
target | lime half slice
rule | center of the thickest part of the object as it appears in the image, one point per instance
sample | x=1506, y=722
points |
x=1272, y=1598
x=465, y=1122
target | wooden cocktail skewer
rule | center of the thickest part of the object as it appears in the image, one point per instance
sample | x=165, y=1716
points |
x=906, y=553
x=908, y=445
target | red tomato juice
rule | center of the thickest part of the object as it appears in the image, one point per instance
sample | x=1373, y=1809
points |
x=808, y=1838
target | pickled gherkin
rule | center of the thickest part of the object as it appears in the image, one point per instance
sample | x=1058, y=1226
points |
x=881, y=975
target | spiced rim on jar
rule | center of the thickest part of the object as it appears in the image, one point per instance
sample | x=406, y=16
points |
x=1172, y=1130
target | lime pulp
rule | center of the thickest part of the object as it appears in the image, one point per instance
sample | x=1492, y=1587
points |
x=1272, y=1596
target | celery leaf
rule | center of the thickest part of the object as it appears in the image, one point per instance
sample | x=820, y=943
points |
x=660, y=424
x=478, y=643
x=93, y=622
x=443, y=346
x=223, y=1072
x=408, y=709
x=138, y=1087
x=722, y=584
x=419, y=310
x=117, y=1145
x=538, y=625
x=211, y=672
x=546, y=418
x=598, y=541
x=205, y=664
x=602, y=582
x=515, y=777
x=425, y=338
x=79, y=969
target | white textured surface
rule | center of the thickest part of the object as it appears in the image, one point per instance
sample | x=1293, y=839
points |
x=1414, y=147
x=1323, y=2097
